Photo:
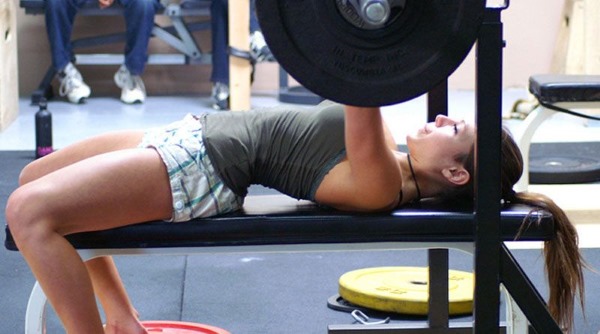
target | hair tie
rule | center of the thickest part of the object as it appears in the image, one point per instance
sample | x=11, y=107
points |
x=510, y=196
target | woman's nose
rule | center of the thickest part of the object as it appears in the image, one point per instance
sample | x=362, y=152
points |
x=441, y=120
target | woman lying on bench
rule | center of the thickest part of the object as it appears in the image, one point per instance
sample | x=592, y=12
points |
x=341, y=157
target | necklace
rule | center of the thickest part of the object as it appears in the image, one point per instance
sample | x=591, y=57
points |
x=412, y=172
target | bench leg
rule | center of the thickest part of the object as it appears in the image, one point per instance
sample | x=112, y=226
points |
x=523, y=138
x=516, y=322
x=35, y=318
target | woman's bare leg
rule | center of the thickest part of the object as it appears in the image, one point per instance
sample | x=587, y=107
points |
x=101, y=192
x=121, y=316
x=119, y=311
x=81, y=150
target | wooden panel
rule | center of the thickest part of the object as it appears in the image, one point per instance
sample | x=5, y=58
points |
x=9, y=83
x=577, y=49
x=239, y=69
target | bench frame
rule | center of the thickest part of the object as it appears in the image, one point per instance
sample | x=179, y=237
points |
x=486, y=243
x=438, y=318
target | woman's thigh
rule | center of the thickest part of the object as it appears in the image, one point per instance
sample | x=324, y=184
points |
x=104, y=191
x=79, y=151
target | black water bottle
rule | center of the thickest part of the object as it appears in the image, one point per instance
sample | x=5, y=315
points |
x=43, y=130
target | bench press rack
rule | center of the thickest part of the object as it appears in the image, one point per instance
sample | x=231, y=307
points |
x=278, y=224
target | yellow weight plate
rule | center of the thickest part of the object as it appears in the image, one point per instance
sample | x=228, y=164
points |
x=404, y=290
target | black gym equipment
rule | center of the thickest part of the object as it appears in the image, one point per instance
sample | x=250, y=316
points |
x=326, y=48
x=424, y=40
x=565, y=163
x=413, y=52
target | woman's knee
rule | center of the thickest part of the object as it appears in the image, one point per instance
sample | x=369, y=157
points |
x=11, y=212
x=24, y=211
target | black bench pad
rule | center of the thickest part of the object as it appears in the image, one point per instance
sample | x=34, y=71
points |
x=280, y=220
x=552, y=88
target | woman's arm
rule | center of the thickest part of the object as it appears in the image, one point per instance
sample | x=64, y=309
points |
x=370, y=177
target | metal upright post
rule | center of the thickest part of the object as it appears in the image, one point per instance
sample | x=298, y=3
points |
x=493, y=261
x=487, y=189
x=437, y=101
x=438, y=318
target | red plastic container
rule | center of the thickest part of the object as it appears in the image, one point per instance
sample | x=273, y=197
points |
x=179, y=327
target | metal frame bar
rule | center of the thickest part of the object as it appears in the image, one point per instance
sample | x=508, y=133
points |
x=494, y=263
x=526, y=295
x=487, y=178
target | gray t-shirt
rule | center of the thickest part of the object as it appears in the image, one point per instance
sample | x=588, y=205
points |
x=288, y=150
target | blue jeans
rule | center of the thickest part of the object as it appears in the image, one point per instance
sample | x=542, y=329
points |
x=220, y=38
x=139, y=21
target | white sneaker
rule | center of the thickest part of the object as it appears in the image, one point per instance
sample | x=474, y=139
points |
x=132, y=86
x=72, y=85
x=220, y=96
x=259, y=49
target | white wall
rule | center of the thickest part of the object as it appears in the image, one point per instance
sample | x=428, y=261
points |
x=530, y=31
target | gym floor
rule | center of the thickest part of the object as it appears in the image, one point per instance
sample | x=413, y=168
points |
x=102, y=114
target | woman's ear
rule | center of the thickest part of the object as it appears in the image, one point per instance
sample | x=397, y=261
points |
x=456, y=175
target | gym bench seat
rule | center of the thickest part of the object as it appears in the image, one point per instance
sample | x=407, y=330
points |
x=566, y=91
x=277, y=223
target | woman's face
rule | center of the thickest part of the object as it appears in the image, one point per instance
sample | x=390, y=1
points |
x=437, y=143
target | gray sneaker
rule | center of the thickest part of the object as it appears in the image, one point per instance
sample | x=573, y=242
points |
x=259, y=49
x=220, y=96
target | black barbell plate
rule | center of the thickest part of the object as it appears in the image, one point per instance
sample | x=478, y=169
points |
x=564, y=162
x=567, y=169
x=420, y=46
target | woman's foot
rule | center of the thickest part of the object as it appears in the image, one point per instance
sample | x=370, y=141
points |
x=124, y=327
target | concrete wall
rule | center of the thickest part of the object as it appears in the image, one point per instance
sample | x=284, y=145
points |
x=531, y=28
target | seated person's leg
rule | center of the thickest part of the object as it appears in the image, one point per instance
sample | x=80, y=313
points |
x=60, y=16
x=220, y=58
x=139, y=19
x=258, y=47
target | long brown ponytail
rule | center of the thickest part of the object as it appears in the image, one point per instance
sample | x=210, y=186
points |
x=563, y=261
